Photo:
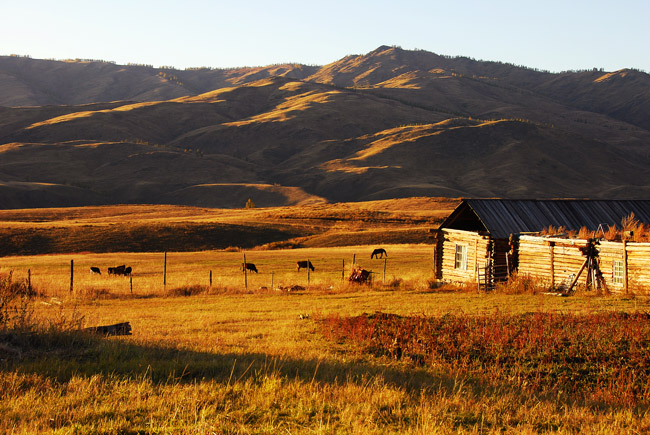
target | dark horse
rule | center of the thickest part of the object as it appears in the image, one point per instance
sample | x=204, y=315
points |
x=248, y=266
x=305, y=265
x=378, y=253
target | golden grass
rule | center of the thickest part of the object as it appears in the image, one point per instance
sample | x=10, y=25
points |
x=233, y=360
x=88, y=113
x=287, y=110
x=412, y=263
x=630, y=229
x=157, y=227
x=248, y=363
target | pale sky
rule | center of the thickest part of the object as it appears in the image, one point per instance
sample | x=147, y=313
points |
x=554, y=35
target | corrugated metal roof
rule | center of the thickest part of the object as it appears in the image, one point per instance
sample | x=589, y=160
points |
x=502, y=217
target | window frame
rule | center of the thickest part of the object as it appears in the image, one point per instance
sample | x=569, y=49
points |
x=618, y=274
x=460, y=257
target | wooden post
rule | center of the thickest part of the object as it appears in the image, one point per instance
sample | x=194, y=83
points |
x=71, y=275
x=165, y=271
x=552, y=247
x=131, y=283
x=29, y=280
x=435, y=261
x=245, y=274
x=384, y=280
x=308, y=271
x=575, y=280
x=343, y=271
x=475, y=260
x=272, y=276
x=210, y=278
x=354, y=259
x=625, y=275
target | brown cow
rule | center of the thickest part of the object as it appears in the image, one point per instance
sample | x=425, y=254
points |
x=248, y=266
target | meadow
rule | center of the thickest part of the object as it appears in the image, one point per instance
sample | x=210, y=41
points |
x=230, y=359
x=287, y=351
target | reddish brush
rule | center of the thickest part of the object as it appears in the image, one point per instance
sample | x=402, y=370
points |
x=578, y=357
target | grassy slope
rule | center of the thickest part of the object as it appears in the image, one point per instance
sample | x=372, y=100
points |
x=174, y=228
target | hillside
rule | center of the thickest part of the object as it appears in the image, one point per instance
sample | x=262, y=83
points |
x=388, y=124
x=150, y=228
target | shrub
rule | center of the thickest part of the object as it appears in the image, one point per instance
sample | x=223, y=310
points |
x=520, y=284
x=566, y=356
x=15, y=306
x=188, y=290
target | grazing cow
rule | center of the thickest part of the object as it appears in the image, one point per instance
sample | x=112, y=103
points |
x=127, y=271
x=378, y=253
x=95, y=270
x=248, y=266
x=119, y=270
x=305, y=265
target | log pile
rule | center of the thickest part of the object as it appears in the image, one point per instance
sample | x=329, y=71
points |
x=123, y=328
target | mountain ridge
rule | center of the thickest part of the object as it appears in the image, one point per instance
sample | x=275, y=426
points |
x=390, y=123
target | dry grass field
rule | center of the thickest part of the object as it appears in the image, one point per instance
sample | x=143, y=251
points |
x=226, y=359
x=287, y=351
x=408, y=266
x=159, y=228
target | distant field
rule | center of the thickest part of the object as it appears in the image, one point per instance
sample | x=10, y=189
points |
x=407, y=265
x=145, y=228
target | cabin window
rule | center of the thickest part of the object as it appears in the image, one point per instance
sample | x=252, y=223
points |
x=461, y=257
x=617, y=272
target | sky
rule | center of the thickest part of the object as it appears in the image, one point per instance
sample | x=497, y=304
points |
x=549, y=35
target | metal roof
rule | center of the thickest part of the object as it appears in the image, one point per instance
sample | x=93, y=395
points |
x=502, y=217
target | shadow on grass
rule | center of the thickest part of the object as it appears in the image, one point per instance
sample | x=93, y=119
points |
x=62, y=355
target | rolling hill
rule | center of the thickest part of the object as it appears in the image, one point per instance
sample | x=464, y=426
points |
x=388, y=124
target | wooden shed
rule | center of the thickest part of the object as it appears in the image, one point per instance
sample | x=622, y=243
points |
x=624, y=265
x=479, y=241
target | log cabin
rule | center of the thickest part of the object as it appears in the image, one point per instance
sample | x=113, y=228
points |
x=480, y=240
x=556, y=261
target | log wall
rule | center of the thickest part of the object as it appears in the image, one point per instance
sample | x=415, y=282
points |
x=478, y=249
x=553, y=260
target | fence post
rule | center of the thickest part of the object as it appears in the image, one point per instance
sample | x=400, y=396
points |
x=308, y=271
x=384, y=280
x=71, y=275
x=165, y=271
x=354, y=259
x=245, y=274
x=29, y=281
x=210, y=278
x=131, y=282
x=343, y=271
x=272, y=276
